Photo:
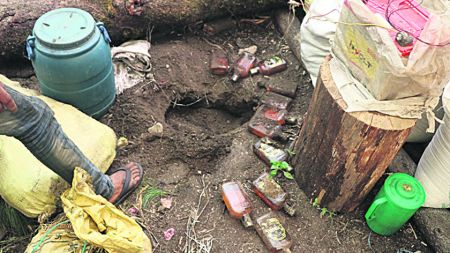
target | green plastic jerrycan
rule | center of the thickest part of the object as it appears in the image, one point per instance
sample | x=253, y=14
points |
x=399, y=198
x=71, y=57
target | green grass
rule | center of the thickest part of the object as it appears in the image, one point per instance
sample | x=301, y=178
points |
x=150, y=194
x=14, y=221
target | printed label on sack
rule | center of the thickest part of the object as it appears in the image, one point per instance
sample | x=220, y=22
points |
x=359, y=52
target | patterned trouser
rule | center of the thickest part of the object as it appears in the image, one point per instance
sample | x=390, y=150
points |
x=34, y=125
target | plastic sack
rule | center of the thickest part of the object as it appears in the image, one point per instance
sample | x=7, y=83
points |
x=372, y=58
x=419, y=132
x=433, y=170
x=95, y=221
x=57, y=237
x=28, y=185
x=100, y=223
x=316, y=31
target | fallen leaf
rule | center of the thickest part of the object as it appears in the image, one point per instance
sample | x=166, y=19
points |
x=166, y=202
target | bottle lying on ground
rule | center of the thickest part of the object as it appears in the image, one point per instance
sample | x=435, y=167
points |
x=270, y=66
x=237, y=202
x=242, y=66
x=273, y=233
x=272, y=194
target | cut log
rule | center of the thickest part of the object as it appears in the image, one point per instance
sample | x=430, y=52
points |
x=289, y=25
x=339, y=155
x=125, y=19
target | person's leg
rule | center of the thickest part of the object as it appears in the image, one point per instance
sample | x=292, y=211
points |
x=34, y=125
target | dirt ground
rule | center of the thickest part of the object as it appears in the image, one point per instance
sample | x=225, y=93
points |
x=206, y=142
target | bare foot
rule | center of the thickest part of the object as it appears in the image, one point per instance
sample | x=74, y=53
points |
x=118, y=180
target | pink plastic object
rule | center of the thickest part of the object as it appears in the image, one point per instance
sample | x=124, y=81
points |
x=405, y=15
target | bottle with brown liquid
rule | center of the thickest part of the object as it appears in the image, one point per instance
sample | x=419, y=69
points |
x=243, y=66
x=273, y=233
x=266, y=121
x=272, y=193
x=237, y=202
x=270, y=66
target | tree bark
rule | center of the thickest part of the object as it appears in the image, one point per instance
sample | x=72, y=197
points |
x=339, y=155
x=125, y=19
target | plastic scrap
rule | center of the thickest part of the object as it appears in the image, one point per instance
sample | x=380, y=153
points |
x=169, y=234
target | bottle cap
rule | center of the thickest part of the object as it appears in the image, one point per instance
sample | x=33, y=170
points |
x=254, y=71
x=289, y=209
x=235, y=77
x=247, y=221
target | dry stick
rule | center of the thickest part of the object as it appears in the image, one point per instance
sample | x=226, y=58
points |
x=193, y=244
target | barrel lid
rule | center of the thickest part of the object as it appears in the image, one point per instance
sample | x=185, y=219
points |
x=64, y=28
x=404, y=191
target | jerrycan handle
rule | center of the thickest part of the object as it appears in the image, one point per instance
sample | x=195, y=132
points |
x=104, y=32
x=29, y=46
x=374, y=206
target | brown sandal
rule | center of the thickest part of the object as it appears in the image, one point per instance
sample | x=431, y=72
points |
x=126, y=190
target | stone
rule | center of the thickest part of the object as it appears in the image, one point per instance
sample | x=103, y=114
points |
x=434, y=224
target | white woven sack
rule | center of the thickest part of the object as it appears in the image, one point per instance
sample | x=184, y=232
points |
x=433, y=170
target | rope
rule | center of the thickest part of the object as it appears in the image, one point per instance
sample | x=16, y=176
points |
x=38, y=245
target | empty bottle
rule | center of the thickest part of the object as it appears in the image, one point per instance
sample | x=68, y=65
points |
x=237, y=202
x=273, y=233
x=272, y=194
x=268, y=153
x=276, y=100
x=270, y=66
x=243, y=66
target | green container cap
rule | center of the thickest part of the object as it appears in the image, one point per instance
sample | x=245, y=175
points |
x=64, y=28
x=404, y=191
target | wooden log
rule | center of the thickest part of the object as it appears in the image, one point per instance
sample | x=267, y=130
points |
x=339, y=155
x=289, y=25
x=125, y=19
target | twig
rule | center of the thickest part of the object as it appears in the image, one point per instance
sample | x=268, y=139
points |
x=186, y=105
x=412, y=229
x=194, y=244
x=337, y=238
x=369, y=242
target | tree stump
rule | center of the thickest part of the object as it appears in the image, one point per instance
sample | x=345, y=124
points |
x=339, y=155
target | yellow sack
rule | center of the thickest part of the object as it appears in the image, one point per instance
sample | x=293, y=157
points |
x=57, y=237
x=116, y=232
x=100, y=223
x=28, y=185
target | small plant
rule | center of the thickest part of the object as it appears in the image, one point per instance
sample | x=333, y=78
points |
x=149, y=194
x=323, y=210
x=284, y=167
x=290, y=152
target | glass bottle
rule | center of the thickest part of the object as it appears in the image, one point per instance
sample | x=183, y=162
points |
x=243, y=66
x=270, y=66
x=237, y=202
x=219, y=64
x=272, y=193
x=276, y=100
x=273, y=233
x=267, y=153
